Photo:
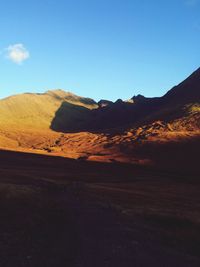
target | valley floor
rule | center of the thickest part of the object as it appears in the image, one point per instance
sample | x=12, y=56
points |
x=58, y=212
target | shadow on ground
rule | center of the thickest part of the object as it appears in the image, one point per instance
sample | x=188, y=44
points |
x=57, y=212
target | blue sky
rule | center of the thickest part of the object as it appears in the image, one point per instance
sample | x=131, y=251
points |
x=98, y=48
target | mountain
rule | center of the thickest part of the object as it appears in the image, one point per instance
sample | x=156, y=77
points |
x=65, y=112
x=104, y=103
x=141, y=130
x=176, y=103
x=186, y=92
x=37, y=111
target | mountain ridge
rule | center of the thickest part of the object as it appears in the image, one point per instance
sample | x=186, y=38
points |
x=48, y=106
x=62, y=123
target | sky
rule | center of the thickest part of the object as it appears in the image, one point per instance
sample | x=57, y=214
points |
x=103, y=49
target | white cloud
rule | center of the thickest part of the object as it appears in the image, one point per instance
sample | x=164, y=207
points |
x=17, y=53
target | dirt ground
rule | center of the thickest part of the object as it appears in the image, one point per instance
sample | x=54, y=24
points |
x=58, y=212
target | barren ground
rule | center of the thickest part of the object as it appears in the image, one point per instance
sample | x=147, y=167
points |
x=61, y=212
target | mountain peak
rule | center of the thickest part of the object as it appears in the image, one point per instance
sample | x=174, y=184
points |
x=138, y=98
x=104, y=103
x=187, y=91
x=59, y=93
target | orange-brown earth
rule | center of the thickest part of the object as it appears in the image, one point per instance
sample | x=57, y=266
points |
x=140, y=131
x=59, y=212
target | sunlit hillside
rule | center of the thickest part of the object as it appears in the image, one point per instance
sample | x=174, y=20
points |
x=138, y=131
x=37, y=111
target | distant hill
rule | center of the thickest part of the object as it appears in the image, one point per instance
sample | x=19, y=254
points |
x=65, y=112
x=176, y=103
x=162, y=130
x=37, y=111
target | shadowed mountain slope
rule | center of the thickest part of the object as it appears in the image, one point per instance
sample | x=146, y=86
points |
x=37, y=111
x=177, y=103
x=186, y=92
x=137, y=131
x=65, y=112
x=70, y=117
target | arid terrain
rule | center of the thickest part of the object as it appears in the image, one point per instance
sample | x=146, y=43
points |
x=100, y=184
x=64, y=212
x=134, y=131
